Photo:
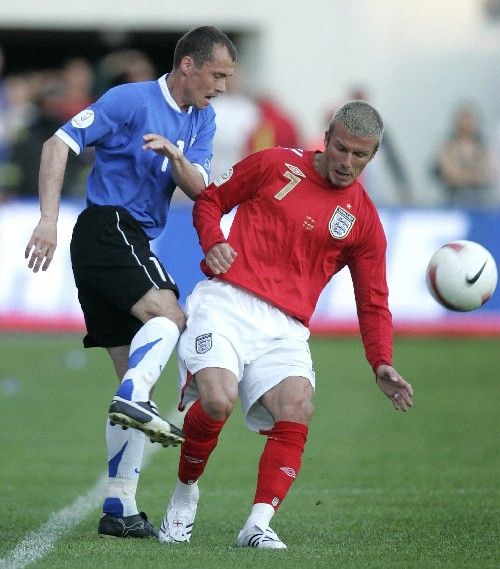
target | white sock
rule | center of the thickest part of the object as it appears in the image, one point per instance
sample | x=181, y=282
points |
x=149, y=353
x=260, y=515
x=125, y=452
x=186, y=495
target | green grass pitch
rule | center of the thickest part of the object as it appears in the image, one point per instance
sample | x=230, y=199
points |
x=377, y=488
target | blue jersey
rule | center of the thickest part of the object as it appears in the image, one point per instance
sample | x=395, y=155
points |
x=123, y=173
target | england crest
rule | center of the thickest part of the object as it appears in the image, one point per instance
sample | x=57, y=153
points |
x=341, y=223
x=203, y=343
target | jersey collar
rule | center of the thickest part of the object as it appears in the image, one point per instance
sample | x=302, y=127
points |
x=168, y=97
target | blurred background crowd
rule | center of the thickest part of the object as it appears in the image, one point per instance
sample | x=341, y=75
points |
x=34, y=102
x=431, y=69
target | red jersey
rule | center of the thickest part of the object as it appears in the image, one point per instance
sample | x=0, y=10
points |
x=293, y=231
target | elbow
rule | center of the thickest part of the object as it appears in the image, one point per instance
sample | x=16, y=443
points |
x=194, y=192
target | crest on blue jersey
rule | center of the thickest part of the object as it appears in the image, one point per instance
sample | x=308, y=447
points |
x=341, y=223
x=83, y=119
x=203, y=343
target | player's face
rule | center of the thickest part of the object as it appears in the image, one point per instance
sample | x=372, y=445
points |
x=346, y=155
x=208, y=81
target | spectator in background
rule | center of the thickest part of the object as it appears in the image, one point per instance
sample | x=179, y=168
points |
x=237, y=117
x=4, y=136
x=76, y=90
x=76, y=93
x=36, y=115
x=247, y=124
x=28, y=140
x=4, y=109
x=123, y=66
x=275, y=128
x=464, y=165
x=22, y=107
x=496, y=164
x=388, y=154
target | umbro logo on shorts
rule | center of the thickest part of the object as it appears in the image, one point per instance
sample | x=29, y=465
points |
x=203, y=343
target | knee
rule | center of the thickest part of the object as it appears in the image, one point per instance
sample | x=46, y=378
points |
x=156, y=304
x=218, y=407
x=299, y=411
x=174, y=313
x=166, y=305
x=179, y=319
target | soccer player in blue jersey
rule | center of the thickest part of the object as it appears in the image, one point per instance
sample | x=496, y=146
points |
x=149, y=137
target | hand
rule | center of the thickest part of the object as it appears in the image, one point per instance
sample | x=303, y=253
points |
x=399, y=391
x=161, y=145
x=220, y=257
x=42, y=245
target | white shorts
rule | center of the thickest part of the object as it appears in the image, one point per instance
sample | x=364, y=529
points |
x=230, y=328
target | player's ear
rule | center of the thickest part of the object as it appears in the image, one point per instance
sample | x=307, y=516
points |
x=187, y=64
x=327, y=138
x=374, y=151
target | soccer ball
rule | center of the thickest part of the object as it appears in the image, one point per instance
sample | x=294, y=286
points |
x=462, y=275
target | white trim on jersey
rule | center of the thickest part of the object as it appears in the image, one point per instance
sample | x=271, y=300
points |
x=66, y=138
x=202, y=172
x=162, y=81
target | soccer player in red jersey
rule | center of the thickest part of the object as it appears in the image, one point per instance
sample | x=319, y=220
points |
x=301, y=217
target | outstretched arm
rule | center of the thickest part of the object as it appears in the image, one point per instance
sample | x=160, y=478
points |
x=398, y=390
x=43, y=242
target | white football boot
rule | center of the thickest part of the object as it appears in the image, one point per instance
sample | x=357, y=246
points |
x=177, y=525
x=263, y=538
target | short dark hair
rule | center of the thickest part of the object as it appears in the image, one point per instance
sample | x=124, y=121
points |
x=199, y=44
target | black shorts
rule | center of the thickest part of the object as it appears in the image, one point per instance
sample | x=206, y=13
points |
x=114, y=267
